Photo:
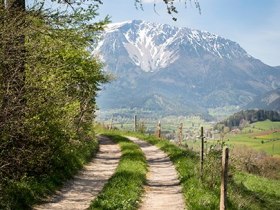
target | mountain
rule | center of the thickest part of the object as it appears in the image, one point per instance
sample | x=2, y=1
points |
x=173, y=70
x=268, y=101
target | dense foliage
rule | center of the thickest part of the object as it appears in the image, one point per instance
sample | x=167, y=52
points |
x=47, y=98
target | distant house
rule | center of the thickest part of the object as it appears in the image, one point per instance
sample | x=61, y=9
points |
x=235, y=131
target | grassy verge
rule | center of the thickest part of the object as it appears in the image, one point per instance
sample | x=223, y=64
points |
x=265, y=190
x=125, y=187
x=24, y=193
x=204, y=194
x=186, y=163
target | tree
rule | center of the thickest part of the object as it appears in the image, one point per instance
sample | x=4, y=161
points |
x=13, y=13
x=13, y=73
x=48, y=84
x=170, y=7
x=15, y=26
x=12, y=65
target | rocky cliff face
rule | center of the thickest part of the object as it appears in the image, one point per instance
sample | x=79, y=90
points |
x=267, y=101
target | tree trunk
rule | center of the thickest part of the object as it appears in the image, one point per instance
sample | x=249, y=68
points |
x=13, y=5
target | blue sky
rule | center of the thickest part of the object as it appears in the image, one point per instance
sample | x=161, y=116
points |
x=254, y=24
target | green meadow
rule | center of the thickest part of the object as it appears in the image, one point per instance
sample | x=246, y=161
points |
x=262, y=136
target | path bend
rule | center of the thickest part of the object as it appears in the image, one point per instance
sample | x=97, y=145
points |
x=163, y=190
x=78, y=193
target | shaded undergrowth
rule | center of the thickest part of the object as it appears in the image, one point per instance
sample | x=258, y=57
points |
x=125, y=187
x=22, y=194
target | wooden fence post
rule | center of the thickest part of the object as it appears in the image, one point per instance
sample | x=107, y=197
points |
x=180, y=134
x=158, y=133
x=201, y=153
x=111, y=124
x=223, y=195
x=135, y=123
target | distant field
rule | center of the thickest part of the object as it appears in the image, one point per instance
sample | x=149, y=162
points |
x=262, y=126
x=262, y=136
x=168, y=124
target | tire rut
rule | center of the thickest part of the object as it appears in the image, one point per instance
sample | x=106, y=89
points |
x=78, y=193
x=163, y=190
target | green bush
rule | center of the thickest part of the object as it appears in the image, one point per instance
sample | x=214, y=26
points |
x=255, y=162
x=47, y=105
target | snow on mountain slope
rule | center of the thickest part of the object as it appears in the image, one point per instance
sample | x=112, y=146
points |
x=178, y=70
x=154, y=46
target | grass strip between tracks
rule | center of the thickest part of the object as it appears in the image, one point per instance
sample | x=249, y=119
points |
x=125, y=187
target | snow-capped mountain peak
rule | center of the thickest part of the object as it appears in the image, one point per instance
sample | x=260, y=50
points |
x=192, y=70
x=153, y=46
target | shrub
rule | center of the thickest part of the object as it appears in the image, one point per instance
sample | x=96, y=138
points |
x=46, y=125
x=255, y=162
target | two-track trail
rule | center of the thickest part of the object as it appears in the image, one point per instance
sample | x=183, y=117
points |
x=163, y=190
x=79, y=192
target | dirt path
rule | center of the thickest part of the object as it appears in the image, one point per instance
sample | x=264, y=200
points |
x=163, y=190
x=78, y=193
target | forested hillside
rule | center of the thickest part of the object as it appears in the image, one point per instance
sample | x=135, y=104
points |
x=250, y=116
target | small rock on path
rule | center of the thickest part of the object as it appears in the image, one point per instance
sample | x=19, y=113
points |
x=79, y=192
x=163, y=190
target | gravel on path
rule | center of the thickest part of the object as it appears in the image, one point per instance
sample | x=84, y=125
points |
x=163, y=190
